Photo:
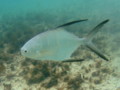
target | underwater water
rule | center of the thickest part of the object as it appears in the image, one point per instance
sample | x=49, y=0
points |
x=21, y=20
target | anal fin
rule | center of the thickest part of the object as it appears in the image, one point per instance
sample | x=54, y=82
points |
x=75, y=60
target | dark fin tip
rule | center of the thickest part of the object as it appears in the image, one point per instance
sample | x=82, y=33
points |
x=72, y=22
x=105, y=21
x=96, y=29
x=73, y=60
x=98, y=53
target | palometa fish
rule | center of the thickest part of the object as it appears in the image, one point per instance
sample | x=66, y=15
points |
x=58, y=44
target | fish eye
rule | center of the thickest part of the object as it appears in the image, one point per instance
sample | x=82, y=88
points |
x=25, y=51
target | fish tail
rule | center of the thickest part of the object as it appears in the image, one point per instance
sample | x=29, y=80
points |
x=91, y=34
x=89, y=38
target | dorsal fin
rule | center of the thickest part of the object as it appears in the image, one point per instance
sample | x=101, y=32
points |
x=70, y=23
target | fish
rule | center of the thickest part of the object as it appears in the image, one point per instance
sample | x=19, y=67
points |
x=58, y=44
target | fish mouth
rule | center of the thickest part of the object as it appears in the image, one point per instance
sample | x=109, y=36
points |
x=22, y=51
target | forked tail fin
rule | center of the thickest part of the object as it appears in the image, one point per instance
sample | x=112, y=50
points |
x=97, y=51
x=90, y=36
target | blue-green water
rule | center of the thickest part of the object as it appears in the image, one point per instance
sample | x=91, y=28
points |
x=20, y=20
x=39, y=11
x=81, y=8
x=69, y=9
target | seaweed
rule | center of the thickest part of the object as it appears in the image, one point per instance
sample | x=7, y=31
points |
x=105, y=70
x=7, y=86
x=38, y=75
x=35, y=80
x=53, y=82
x=75, y=83
x=98, y=81
x=2, y=68
x=96, y=74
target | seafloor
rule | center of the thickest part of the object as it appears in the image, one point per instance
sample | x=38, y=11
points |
x=20, y=73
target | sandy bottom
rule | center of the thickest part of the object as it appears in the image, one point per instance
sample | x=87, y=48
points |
x=19, y=73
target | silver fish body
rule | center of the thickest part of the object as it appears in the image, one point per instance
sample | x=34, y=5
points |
x=51, y=45
x=59, y=44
